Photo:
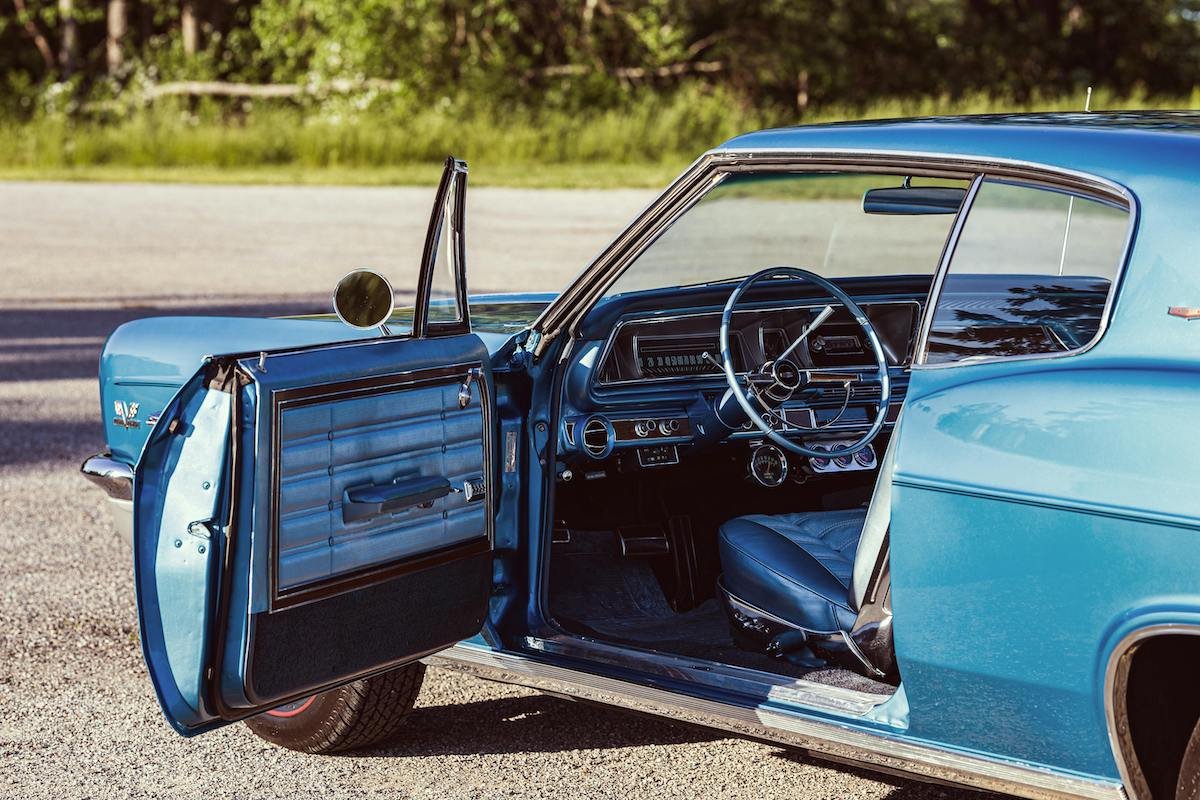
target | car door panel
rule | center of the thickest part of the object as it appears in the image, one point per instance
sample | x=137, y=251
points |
x=357, y=433
x=305, y=597
x=310, y=515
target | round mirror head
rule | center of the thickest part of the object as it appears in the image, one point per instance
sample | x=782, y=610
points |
x=363, y=299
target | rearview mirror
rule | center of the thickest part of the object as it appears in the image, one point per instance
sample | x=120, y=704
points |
x=913, y=200
x=363, y=299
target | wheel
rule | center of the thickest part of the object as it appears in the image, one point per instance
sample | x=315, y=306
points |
x=1188, y=785
x=364, y=713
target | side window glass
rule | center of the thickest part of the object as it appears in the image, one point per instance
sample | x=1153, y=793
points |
x=441, y=307
x=1030, y=274
x=443, y=284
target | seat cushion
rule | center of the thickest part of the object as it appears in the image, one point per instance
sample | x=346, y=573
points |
x=796, y=567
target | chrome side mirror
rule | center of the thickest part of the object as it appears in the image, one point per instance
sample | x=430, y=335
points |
x=363, y=299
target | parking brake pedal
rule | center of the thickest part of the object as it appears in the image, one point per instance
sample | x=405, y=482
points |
x=643, y=540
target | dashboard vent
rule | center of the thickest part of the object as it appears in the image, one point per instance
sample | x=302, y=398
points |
x=596, y=438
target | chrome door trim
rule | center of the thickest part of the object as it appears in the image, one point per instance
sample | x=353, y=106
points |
x=829, y=739
x=943, y=267
x=1116, y=673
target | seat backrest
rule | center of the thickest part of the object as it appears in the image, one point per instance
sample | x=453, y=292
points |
x=875, y=528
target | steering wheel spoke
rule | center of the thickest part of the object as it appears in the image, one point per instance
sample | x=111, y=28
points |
x=758, y=380
x=761, y=390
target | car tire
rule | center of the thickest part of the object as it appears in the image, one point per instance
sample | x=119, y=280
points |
x=365, y=713
x=1188, y=785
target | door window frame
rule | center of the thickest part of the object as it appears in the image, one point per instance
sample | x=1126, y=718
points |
x=452, y=188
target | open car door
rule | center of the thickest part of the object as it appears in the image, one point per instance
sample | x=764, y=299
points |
x=304, y=518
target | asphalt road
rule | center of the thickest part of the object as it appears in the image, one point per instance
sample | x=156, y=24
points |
x=77, y=713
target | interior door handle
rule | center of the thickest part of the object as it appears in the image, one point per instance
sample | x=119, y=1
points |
x=374, y=500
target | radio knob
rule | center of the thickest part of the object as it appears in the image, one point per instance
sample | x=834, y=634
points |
x=668, y=426
x=643, y=427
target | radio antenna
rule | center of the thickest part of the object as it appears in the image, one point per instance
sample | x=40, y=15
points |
x=1087, y=101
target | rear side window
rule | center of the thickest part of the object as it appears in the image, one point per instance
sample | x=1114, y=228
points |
x=1030, y=274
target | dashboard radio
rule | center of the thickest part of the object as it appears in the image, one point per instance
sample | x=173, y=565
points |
x=673, y=356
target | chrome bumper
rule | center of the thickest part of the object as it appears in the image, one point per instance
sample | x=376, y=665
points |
x=116, y=479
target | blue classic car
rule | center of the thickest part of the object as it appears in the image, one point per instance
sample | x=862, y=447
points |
x=875, y=440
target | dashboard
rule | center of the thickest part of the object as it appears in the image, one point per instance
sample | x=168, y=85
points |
x=675, y=346
x=638, y=387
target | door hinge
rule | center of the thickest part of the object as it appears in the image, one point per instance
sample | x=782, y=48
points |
x=530, y=345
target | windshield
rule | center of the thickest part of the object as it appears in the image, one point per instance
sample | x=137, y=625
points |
x=752, y=221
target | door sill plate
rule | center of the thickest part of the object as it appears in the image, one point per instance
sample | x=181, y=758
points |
x=756, y=685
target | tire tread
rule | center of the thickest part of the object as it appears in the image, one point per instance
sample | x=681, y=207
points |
x=365, y=713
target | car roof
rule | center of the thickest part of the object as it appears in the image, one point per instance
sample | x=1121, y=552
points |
x=1129, y=147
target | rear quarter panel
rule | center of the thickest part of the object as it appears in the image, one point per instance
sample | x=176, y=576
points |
x=1038, y=507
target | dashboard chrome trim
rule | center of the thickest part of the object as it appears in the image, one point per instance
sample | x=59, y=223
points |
x=654, y=319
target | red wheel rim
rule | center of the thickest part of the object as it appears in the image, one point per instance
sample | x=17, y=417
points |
x=292, y=709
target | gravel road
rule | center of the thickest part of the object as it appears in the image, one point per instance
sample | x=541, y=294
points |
x=77, y=714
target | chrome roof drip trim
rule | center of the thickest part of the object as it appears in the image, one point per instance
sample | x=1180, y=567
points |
x=1116, y=674
x=833, y=740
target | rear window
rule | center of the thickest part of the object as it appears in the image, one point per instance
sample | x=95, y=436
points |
x=1030, y=274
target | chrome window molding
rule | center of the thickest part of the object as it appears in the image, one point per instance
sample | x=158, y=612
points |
x=939, y=277
x=1113, y=194
x=1116, y=674
x=573, y=304
x=883, y=750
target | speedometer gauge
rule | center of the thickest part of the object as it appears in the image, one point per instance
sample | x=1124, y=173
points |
x=768, y=465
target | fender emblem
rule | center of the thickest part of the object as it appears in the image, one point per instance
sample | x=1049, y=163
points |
x=1184, y=312
x=126, y=414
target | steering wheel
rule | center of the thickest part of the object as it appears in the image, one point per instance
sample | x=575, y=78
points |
x=777, y=380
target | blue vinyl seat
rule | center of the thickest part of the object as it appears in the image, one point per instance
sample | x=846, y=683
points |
x=806, y=570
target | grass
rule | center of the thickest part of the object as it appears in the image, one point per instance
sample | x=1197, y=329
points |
x=643, y=144
x=531, y=176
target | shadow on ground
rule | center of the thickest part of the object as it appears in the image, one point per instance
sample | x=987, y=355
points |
x=532, y=724
x=544, y=724
x=52, y=343
x=904, y=789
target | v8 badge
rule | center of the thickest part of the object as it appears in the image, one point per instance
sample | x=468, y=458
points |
x=126, y=414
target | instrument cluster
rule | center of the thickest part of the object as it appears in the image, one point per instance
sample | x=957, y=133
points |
x=769, y=466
